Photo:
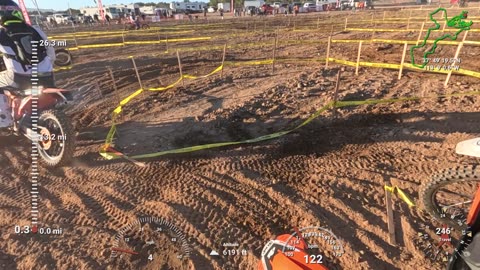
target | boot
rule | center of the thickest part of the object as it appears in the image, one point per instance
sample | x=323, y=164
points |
x=6, y=119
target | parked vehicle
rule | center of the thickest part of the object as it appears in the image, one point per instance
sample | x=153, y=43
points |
x=61, y=18
x=267, y=9
x=276, y=4
x=253, y=3
x=310, y=7
x=224, y=6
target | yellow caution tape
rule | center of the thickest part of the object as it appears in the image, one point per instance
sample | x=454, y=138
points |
x=62, y=68
x=253, y=62
x=109, y=140
x=105, y=45
x=402, y=195
x=406, y=65
x=393, y=30
x=339, y=104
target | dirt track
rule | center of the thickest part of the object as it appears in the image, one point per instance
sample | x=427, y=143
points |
x=330, y=173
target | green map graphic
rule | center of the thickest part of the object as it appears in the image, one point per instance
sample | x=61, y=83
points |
x=455, y=22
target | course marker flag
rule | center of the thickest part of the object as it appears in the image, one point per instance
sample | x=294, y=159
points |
x=402, y=195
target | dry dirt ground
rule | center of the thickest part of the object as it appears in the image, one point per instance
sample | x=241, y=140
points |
x=329, y=173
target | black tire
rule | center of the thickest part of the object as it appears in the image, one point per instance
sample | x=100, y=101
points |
x=145, y=26
x=454, y=175
x=67, y=147
x=63, y=58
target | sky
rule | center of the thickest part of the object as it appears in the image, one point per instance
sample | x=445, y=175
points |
x=63, y=4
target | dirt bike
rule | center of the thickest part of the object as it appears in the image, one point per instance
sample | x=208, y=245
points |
x=133, y=26
x=445, y=195
x=55, y=137
x=63, y=58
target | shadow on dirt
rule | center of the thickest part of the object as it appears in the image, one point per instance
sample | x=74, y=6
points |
x=7, y=261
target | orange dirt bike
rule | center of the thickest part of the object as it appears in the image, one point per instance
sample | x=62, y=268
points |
x=49, y=128
x=133, y=26
x=272, y=257
x=446, y=196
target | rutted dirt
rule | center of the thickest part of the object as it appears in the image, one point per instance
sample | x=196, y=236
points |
x=329, y=173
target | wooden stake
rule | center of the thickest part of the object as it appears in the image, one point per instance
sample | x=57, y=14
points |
x=328, y=50
x=318, y=22
x=390, y=221
x=180, y=68
x=138, y=74
x=457, y=53
x=465, y=36
x=123, y=38
x=97, y=86
x=223, y=59
x=274, y=51
x=420, y=34
x=346, y=21
x=166, y=42
x=408, y=24
x=403, y=60
x=358, y=57
x=373, y=32
x=114, y=83
x=443, y=28
x=335, y=95
x=383, y=16
x=331, y=30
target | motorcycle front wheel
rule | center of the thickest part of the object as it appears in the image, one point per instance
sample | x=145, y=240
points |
x=63, y=58
x=56, y=145
x=448, y=195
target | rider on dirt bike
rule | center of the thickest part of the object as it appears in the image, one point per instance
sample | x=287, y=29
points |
x=15, y=44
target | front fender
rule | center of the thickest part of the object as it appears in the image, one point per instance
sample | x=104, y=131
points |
x=469, y=148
